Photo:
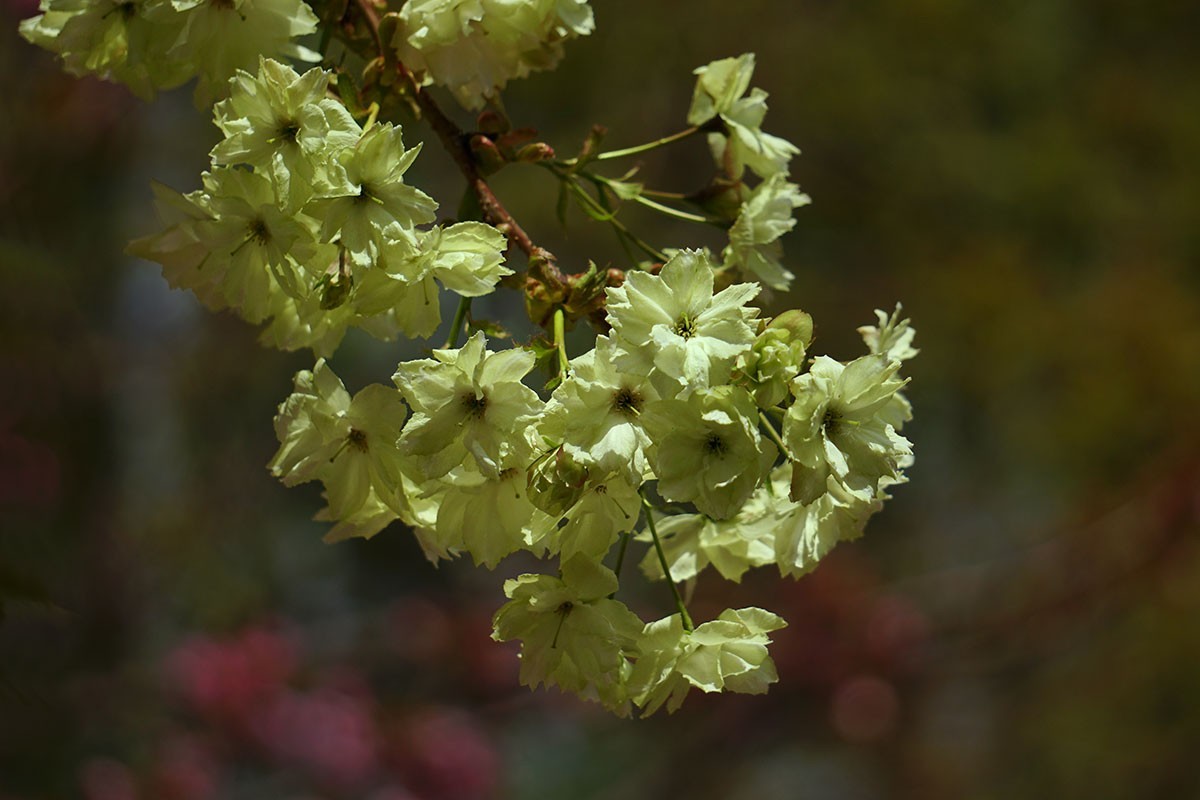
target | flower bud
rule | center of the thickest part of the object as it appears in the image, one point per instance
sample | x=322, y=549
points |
x=557, y=483
x=335, y=290
x=776, y=357
x=537, y=151
x=486, y=154
x=493, y=123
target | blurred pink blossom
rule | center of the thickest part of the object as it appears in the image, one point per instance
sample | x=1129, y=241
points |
x=187, y=769
x=328, y=733
x=230, y=679
x=446, y=755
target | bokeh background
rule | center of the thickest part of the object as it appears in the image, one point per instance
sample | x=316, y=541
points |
x=1021, y=621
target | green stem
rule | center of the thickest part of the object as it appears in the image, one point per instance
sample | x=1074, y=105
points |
x=560, y=341
x=774, y=435
x=621, y=237
x=621, y=548
x=662, y=560
x=326, y=38
x=674, y=212
x=464, y=306
x=609, y=216
x=642, y=148
x=664, y=195
x=642, y=199
x=372, y=115
x=624, y=236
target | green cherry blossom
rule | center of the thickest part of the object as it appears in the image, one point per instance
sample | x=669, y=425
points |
x=673, y=322
x=691, y=542
x=726, y=654
x=284, y=125
x=120, y=40
x=220, y=38
x=468, y=401
x=893, y=337
x=487, y=517
x=572, y=635
x=596, y=415
x=777, y=357
x=605, y=509
x=754, y=246
x=708, y=450
x=837, y=425
x=806, y=533
x=348, y=443
x=720, y=90
x=378, y=196
x=475, y=47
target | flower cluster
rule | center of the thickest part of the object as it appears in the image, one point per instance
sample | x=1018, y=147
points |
x=694, y=424
x=680, y=397
x=475, y=47
x=690, y=400
x=761, y=215
x=305, y=220
x=159, y=44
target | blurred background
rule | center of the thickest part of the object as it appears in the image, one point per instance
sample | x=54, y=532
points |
x=1020, y=622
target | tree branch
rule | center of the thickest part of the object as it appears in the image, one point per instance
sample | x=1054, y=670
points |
x=457, y=144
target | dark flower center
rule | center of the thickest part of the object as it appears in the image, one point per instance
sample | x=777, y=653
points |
x=627, y=402
x=259, y=231
x=357, y=440
x=365, y=194
x=475, y=405
x=289, y=131
x=715, y=445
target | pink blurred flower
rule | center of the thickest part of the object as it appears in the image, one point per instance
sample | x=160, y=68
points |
x=230, y=679
x=186, y=770
x=328, y=733
x=446, y=755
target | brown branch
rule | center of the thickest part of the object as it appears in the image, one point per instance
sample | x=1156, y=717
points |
x=372, y=17
x=546, y=288
x=456, y=142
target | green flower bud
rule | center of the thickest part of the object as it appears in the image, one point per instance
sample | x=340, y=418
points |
x=777, y=356
x=335, y=290
x=557, y=483
x=534, y=152
x=486, y=154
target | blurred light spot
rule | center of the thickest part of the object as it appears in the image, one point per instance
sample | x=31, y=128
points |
x=106, y=779
x=29, y=472
x=419, y=630
x=896, y=629
x=864, y=709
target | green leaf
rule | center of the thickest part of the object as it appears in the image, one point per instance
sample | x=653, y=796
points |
x=625, y=190
x=490, y=327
